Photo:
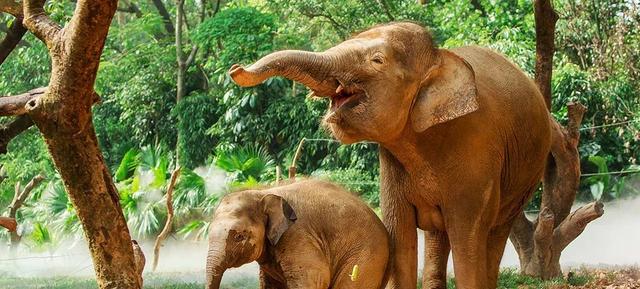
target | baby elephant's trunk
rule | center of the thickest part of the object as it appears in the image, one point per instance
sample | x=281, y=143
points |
x=213, y=282
x=215, y=269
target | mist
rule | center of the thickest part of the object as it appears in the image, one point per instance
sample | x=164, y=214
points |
x=613, y=239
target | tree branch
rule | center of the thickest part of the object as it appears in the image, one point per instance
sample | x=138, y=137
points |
x=562, y=173
x=167, y=226
x=521, y=236
x=12, y=7
x=293, y=168
x=17, y=105
x=39, y=23
x=543, y=235
x=575, y=223
x=575, y=111
x=11, y=40
x=166, y=17
x=8, y=223
x=13, y=129
x=130, y=8
x=21, y=195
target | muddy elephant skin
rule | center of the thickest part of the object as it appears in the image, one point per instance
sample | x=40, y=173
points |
x=306, y=235
x=463, y=133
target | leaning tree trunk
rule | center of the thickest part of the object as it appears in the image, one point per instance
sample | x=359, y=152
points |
x=540, y=243
x=63, y=116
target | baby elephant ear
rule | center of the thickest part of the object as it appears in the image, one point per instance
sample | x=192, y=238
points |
x=280, y=216
x=448, y=92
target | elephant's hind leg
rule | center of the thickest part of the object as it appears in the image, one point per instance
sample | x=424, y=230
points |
x=495, y=249
x=436, y=255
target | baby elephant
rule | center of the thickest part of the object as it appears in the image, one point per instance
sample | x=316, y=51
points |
x=306, y=235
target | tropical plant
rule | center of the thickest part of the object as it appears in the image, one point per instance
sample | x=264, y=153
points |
x=245, y=163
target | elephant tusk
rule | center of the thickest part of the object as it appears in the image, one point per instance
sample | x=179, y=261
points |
x=354, y=273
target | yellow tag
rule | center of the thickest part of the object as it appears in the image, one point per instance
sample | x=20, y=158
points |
x=354, y=273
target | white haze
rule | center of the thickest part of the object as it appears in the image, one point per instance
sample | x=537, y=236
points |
x=612, y=239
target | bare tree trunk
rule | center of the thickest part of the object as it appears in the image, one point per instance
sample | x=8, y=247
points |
x=546, y=19
x=182, y=61
x=540, y=243
x=20, y=196
x=293, y=168
x=63, y=116
x=167, y=226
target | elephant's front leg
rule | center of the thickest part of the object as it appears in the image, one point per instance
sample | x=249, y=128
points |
x=311, y=278
x=468, y=230
x=267, y=282
x=399, y=217
x=436, y=255
x=305, y=267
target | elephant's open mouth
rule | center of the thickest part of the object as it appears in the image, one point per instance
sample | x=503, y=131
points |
x=346, y=95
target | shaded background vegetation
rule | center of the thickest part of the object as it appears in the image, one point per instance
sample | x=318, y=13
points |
x=246, y=133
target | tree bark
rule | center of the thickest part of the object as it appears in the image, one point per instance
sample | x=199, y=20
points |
x=63, y=116
x=545, y=18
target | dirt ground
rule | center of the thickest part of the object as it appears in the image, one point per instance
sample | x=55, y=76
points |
x=610, y=278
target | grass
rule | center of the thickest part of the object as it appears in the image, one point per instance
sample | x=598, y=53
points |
x=509, y=278
x=152, y=281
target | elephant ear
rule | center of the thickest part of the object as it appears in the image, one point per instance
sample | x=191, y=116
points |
x=280, y=216
x=448, y=92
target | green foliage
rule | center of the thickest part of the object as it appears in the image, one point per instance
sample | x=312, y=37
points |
x=244, y=163
x=247, y=132
x=195, y=115
x=363, y=183
x=244, y=32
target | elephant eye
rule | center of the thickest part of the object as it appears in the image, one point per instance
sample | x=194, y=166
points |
x=239, y=238
x=378, y=58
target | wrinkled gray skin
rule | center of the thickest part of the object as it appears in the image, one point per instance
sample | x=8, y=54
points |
x=305, y=235
x=463, y=134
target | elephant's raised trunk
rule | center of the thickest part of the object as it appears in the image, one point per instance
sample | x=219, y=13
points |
x=309, y=68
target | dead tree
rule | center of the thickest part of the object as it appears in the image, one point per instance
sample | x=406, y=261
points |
x=293, y=167
x=21, y=195
x=167, y=226
x=539, y=243
x=63, y=115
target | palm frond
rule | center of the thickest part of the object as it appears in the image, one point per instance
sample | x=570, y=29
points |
x=128, y=165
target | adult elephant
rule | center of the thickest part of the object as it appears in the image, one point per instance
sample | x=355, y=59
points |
x=463, y=134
